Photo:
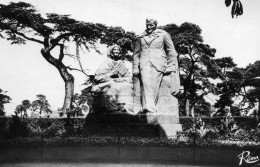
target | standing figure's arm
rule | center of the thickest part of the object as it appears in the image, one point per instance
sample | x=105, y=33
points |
x=172, y=62
x=136, y=57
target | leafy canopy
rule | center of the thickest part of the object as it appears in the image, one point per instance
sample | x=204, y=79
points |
x=3, y=100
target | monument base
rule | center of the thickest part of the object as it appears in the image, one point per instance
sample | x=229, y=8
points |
x=123, y=124
x=170, y=130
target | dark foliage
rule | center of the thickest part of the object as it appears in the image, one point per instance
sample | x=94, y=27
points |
x=238, y=82
x=117, y=35
x=17, y=128
x=21, y=22
x=243, y=129
x=197, y=66
x=3, y=100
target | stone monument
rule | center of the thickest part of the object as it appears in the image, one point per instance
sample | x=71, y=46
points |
x=156, y=78
x=141, y=103
x=113, y=86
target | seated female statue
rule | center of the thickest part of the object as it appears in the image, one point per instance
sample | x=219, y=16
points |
x=113, y=88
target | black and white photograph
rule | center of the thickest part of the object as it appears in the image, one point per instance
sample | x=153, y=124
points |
x=131, y=83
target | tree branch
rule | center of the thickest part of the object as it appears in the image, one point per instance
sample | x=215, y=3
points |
x=61, y=56
x=76, y=70
x=57, y=39
x=70, y=55
x=46, y=54
x=55, y=42
x=28, y=38
x=46, y=41
x=78, y=57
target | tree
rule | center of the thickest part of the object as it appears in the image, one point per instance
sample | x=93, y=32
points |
x=226, y=64
x=41, y=106
x=240, y=83
x=3, y=100
x=23, y=108
x=237, y=7
x=252, y=80
x=196, y=63
x=229, y=86
x=42, y=125
x=117, y=35
x=113, y=35
x=20, y=22
x=82, y=103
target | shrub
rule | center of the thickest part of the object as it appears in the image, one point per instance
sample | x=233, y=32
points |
x=46, y=127
x=4, y=130
x=18, y=128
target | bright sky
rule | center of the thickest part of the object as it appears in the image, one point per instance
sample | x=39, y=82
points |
x=24, y=73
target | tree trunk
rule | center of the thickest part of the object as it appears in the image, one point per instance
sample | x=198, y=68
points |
x=186, y=100
x=69, y=92
x=187, y=107
x=67, y=78
x=258, y=112
x=69, y=87
x=192, y=111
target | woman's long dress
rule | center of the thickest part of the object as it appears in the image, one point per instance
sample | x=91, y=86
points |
x=110, y=95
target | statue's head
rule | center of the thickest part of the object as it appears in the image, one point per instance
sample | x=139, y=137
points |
x=151, y=24
x=114, y=52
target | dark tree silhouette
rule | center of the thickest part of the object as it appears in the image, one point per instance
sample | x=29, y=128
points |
x=197, y=65
x=3, y=100
x=239, y=82
x=20, y=22
x=229, y=86
x=41, y=105
x=22, y=108
x=117, y=35
x=252, y=80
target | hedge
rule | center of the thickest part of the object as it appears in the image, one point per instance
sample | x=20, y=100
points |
x=243, y=129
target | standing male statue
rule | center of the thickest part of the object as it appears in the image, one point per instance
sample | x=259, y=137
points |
x=154, y=57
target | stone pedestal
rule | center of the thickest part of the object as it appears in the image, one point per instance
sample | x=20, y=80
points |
x=122, y=124
x=164, y=123
x=169, y=124
x=167, y=115
x=167, y=103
